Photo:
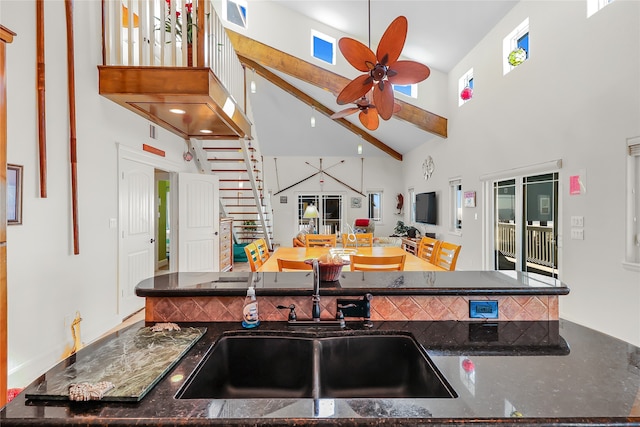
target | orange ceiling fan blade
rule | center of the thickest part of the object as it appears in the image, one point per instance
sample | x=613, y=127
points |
x=408, y=72
x=357, y=54
x=344, y=113
x=392, y=41
x=369, y=118
x=355, y=89
x=383, y=99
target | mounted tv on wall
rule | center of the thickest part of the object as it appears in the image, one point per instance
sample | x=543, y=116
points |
x=427, y=208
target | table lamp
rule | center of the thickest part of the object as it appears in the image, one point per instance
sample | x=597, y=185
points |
x=311, y=212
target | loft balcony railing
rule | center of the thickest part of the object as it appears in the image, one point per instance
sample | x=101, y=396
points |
x=170, y=33
x=539, y=241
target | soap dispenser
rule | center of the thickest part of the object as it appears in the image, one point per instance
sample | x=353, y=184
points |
x=250, y=310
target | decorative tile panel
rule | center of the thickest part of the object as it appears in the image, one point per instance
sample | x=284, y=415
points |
x=391, y=307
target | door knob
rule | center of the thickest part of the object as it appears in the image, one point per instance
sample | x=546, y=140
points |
x=152, y=240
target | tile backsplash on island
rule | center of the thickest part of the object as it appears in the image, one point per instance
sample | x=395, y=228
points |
x=383, y=307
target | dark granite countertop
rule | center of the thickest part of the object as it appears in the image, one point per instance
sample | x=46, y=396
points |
x=551, y=373
x=353, y=283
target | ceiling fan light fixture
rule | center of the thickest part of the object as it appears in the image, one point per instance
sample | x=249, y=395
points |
x=382, y=71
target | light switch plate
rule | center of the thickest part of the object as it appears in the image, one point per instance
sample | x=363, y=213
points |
x=577, y=221
x=483, y=309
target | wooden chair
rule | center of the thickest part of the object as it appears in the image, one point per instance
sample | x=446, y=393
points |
x=320, y=240
x=290, y=264
x=263, y=250
x=362, y=240
x=253, y=256
x=377, y=263
x=447, y=255
x=428, y=248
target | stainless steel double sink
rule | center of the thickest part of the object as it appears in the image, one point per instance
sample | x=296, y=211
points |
x=345, y=366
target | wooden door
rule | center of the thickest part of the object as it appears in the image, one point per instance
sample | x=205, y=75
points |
x=198, y=222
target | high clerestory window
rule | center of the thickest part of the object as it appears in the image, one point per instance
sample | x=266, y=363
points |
x=323, y=47
x=409, y=90
x=465, y=88
x=595, y=5
x=515, y=47
x=235, y=12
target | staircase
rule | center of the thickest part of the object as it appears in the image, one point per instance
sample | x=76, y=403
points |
x=238, y=166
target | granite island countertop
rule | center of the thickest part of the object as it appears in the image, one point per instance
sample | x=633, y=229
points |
x=352, y=283
x=551, y=373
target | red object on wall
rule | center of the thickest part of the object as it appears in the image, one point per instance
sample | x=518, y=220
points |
x=362, y=223
x=468, y=365
x=466, y=94
x=12, y=393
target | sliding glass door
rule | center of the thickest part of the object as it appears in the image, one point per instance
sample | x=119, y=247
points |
x=525, y=224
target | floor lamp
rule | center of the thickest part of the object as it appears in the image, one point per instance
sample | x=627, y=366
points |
x=311, y=213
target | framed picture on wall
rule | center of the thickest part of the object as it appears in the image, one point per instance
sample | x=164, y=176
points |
x=14, y=194
x=356, y=202
x=469, y=199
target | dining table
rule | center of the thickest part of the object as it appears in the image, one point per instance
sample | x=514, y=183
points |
x=412, y=262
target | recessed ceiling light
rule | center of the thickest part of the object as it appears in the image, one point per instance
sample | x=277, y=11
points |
x=177, y=111
x=206, y=131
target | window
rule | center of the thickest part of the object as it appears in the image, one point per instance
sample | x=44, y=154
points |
x=409, y=90
x=455, y=203
x=412, y=206
x=374, y=202
x=515, y=47
x=595, y=5
x=235, y=12
x=323, y=47
x=633, y=202
x=465, y=88
x=329, y=208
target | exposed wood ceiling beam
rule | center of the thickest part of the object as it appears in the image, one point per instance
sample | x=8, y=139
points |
x=273, y=58
x=302, y=96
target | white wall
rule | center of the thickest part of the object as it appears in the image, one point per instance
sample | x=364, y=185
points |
x=575, y=99
x=46, y=282
x=280, y=37
x=371, y=174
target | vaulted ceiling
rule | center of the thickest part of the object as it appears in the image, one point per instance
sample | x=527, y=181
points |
x=440, y=34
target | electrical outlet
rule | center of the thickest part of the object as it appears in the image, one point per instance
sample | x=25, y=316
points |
x=483, y=309
x=577, y=234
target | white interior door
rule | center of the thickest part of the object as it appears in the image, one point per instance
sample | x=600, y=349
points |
x=198, y=222
x=137, y=224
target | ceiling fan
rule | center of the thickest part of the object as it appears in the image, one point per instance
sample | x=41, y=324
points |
x=382, y=70
x=368, y=115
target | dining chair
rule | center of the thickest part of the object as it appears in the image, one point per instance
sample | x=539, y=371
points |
x=447, y=255
x=263, y=250
x=291, y=264
x=360, y=240
x=320, y=240
x=377, y=263
x=253, y=256
x=428, y=248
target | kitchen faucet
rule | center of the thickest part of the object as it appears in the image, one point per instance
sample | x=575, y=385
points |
x=315, y=298
x=315, y=309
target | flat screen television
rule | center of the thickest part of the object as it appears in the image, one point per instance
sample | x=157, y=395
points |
x=427, y=208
